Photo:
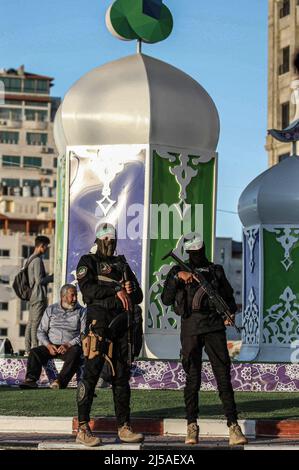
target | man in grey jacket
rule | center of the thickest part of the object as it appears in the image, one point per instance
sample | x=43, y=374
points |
x=38, y=281
x=59, y=333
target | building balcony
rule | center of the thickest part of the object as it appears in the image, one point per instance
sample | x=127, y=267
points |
x=29, y=208
x=36, y=125
x=13, y=234
x=284, y=21
x=11, y=123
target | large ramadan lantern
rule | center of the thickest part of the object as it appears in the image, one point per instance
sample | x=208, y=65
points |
x=137, y=140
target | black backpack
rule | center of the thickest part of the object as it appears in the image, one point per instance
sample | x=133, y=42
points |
x=21, y=282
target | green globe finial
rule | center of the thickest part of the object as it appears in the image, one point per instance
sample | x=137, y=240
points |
x=143, y=20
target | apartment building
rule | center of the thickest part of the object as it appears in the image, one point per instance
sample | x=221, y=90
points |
x=283, y=45
x=28, y=167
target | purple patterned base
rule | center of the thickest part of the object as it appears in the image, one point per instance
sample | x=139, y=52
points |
x=161, y=375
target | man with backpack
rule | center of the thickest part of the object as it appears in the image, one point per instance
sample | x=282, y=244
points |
x=38, y=281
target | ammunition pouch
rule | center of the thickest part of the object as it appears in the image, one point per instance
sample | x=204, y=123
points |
x=94, y=345
x=91, y=345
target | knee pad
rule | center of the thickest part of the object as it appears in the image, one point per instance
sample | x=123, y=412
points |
x=84, y=392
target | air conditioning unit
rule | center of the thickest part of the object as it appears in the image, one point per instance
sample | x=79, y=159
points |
x=44, y=149
x=3, y=123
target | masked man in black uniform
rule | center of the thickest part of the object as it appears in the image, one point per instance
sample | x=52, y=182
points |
x=109, y=294
x=202, y=327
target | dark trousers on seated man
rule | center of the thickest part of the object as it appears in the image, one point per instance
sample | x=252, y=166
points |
x=38, y=357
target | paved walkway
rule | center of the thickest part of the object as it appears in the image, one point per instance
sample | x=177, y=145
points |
x=110, y=442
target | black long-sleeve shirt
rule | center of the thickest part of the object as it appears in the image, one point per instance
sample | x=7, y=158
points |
x=99, y=280
x=206, y=319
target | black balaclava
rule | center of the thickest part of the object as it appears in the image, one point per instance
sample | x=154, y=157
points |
x=106, y=246
x=198, y=258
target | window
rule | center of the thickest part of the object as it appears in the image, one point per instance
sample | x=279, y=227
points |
x=283, y=157
x=35, y=115
x=22, y=329
x=4, y=253
x=14, y=102
x=32, y=162
x=285, y=115
x=3, y=331
x=36, y=86
x=36, y=138
x=286, y=9
x=9, y=137
x=42, y=86
x=30, y=115
x=55, y=163
x=3, y=305
x=12, y=84
x=44, y=209
x=11, y=182
x=27, y=251
x=42, y=116
x=285, y=66
x=31, y=183
x=11, y=113
x=37, y=104
x=4, y=113
x=24, y=305
x=10, y=160
x=29, y=85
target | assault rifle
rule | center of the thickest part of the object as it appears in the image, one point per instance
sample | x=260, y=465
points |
x=220, y=305
x=130, y=321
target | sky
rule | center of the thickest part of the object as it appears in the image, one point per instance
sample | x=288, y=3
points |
x=221, y=44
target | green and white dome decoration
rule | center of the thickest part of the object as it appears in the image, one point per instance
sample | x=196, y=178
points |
x=269, y=211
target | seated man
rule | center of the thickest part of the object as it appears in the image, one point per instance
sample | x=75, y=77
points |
x=59, y=333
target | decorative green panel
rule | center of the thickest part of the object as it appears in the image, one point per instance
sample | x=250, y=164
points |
x=281, y=287
x=182, y=180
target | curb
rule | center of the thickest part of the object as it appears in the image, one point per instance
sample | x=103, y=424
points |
x=37, y=424
x=108, y=425
x=283, y=428
x=74, y=446
x=156, y=427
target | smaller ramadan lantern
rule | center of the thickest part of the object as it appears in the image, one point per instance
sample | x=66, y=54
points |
x=269, y=211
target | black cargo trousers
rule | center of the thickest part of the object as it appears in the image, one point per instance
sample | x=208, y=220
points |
x=215, y=345
x=120, y=383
